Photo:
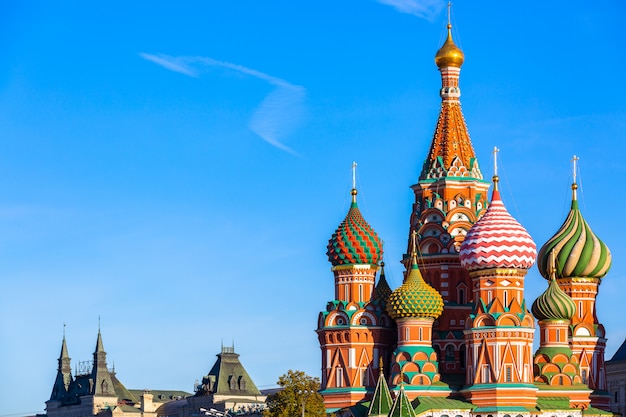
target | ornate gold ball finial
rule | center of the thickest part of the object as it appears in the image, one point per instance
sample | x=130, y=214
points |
x=449, y=55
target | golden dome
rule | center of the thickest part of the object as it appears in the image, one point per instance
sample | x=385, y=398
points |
x=449, y=55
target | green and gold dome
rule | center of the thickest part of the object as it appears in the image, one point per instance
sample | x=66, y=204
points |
x=579, y=252
x=553, y=304
x=354, y=241
x=414, y=298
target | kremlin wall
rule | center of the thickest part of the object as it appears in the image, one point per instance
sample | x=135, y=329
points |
x=456, y=339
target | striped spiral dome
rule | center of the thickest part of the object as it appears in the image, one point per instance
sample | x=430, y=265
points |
x=553, y=304
x=579, y=252
x=497, y=240
x=414, y=298
x=354, y=241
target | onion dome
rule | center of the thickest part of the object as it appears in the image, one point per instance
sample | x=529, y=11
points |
x=579, y=252
x=497, y=240
x=449, y=55
x=354, y=241
x=553, y=304
x=414, y=298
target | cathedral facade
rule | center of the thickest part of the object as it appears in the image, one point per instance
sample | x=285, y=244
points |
x=456, y=338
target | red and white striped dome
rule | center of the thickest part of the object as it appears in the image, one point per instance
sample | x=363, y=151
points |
x=497, y=240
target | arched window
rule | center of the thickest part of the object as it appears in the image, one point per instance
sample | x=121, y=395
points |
x=462, y=357
x=360, y=292
x=449, y=353
x=506, y=299
x=339, y=377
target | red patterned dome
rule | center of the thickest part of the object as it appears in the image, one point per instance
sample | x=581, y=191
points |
x=497, y=240
x=354, y=241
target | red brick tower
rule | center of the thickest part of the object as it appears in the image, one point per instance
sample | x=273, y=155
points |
x=498, y=252
x=450, y=195
x=355, y=330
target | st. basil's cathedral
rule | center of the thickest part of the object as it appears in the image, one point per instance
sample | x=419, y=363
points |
x=456, y=338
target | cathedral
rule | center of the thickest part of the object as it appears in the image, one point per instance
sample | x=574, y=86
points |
x=457, y=337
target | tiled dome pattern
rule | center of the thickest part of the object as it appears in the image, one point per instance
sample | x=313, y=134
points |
x=415, y=298
x=497, y=240
x=354, y=241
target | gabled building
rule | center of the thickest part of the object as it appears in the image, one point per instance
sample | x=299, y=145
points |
x=95, y=390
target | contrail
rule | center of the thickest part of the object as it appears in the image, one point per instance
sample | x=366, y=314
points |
x=278, y=115
x=425, y=9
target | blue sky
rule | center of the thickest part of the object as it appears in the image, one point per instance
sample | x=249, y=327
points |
x=178, y=170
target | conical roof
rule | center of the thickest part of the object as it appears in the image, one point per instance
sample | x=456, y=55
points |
x=354, y=241
x=381, y=401
x=497, y=240
x=402, y=406
x=414, y=298
x=553, y=304
x=382, y=291
x=579, y=252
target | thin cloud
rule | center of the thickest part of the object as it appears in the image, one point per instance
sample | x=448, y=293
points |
x=169, y=63
x=425, y=9
x=279, y=114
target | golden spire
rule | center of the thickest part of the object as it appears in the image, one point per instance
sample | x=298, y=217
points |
x=574, y=184
x=353, y=192
x=449, y=55
x=495, y=178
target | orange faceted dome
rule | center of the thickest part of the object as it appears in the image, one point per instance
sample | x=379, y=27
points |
x=449, y=55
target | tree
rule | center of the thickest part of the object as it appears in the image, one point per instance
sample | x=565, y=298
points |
x=299, y=397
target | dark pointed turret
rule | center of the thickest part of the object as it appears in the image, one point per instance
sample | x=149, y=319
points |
x=64, y=374
x=100, y=376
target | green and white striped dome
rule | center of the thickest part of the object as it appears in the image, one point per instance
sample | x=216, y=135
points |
x=579, y=252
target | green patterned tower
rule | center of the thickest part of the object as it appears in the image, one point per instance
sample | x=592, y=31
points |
x=415, y=305
x=582, y=260
x=555, y=367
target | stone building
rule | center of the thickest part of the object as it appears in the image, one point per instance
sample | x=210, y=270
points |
x=94, y=390
x=616, y=380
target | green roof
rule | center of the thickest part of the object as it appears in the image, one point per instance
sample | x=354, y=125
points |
x=228, y=377
x=553, y=403
x=423, y=404
x=592, y=411
x=381, y=401
x=402, y=407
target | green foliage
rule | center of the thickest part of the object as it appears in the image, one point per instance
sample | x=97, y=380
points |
x=298, y=389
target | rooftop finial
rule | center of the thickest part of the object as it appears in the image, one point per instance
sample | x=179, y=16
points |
x=495, y=168
x=449, y=21
x=574, y=184
x=414, y=248
x=63, y=330
x=353, y=192
x=380, y=364
x=98, y=323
